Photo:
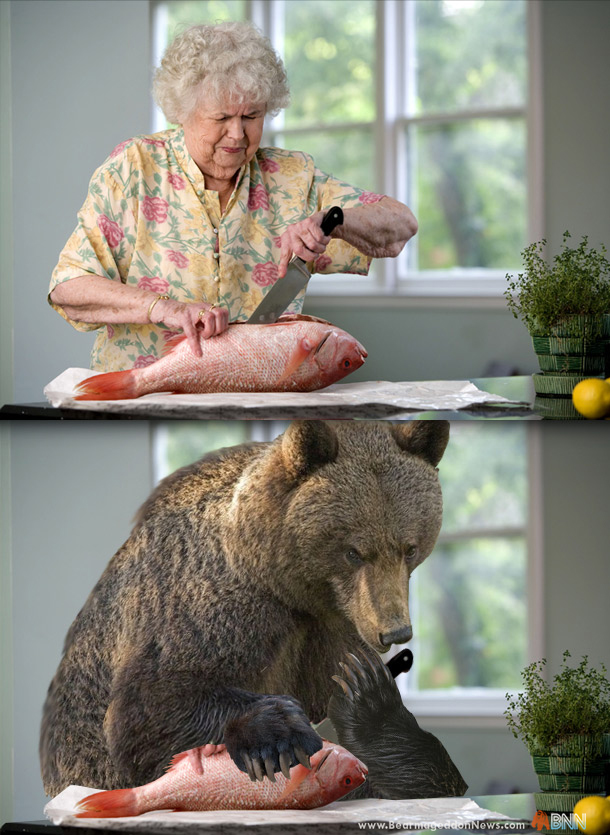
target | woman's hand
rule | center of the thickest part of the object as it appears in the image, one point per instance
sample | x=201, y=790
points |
x=93, y=298
x=196, y=320
x=304, y=239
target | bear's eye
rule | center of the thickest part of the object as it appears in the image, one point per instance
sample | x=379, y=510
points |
x=410, y=552
x=353, y=557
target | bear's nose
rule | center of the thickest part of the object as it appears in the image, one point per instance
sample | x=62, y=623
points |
x=397, y=636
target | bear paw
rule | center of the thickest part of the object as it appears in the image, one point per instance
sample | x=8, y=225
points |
x=273, y=735
x=368, y=692
x=371, y=721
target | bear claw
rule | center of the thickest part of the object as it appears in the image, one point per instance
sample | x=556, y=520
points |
x=344, y=686
x=302, y=756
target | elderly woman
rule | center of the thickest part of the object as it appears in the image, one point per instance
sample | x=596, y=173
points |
x=185, y=230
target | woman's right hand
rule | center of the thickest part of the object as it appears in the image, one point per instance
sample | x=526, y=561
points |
x=196, y=319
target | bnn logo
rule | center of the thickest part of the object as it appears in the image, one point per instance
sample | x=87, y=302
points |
x=541, y=821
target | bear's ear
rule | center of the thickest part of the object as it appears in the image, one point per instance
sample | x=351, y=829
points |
x=306, y=446
x=426, y=438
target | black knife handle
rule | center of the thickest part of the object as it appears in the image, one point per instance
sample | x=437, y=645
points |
x=400, y=663
x=332, y=218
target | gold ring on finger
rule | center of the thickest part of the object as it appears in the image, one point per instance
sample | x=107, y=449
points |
x=201, y=314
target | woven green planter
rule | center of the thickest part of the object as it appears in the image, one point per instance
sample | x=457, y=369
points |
x=557, y=385
x=558, y=801
x=589, y=783
x=556, y=408
x=578, y=766
x=591, y=747
x=578, y=346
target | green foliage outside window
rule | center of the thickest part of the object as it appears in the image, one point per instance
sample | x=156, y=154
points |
x=467, y=177
x=470, y=612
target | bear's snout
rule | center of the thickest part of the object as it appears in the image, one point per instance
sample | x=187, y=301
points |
x=397, y=636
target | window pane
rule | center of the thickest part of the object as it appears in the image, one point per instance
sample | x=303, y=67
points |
x=470, y=621
x=348, y=155
x=184, y=13
x=329, y=51
x=182, y=442
x=470, y=53
x=470, y=193
x=483, y=474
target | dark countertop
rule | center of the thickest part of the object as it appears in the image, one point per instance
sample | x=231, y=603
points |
x=520, y=806
x=519, y=389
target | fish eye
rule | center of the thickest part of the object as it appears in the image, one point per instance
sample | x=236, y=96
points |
x=346, y=364
x=347, y=781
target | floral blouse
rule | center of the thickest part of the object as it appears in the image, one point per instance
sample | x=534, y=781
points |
x=149, y=221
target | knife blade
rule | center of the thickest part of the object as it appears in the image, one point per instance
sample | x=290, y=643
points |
x=286, y=289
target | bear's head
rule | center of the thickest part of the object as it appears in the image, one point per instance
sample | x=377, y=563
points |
x=334, y=518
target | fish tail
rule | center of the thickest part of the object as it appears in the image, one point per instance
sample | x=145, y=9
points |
x=120, y=803
x=116, y=385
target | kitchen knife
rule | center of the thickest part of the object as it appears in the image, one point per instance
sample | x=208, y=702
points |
x=286, y=289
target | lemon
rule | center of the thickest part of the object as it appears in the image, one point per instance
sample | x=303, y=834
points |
x=595, y=814
x=592, y=398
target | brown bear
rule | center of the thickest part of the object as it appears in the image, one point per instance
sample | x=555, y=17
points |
x=247, y=579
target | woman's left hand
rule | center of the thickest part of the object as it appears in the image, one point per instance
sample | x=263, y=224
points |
x=304, y=239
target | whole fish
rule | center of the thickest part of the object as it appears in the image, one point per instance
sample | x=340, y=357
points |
x=300, y=353
x=334, y=773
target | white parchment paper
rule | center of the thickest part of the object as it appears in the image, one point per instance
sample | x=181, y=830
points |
x=440, y=812
x=445, y=395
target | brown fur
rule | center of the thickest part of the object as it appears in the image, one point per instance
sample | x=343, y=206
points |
x=234, y=582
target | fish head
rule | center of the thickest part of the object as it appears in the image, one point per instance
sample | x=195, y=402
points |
x=337, y=355
x=334, y=773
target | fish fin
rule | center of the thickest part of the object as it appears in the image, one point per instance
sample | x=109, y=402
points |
x=172, y=343
x=116, y=385
x=297, y=774
x=120, y=803
x=176, y=760
x=301, y=317
x=302, y=351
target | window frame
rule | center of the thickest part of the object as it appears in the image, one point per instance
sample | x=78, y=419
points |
x=392, y=279
x=485, y=706
x=463, y=707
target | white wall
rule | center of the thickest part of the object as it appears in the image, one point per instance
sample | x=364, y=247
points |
x=80, y=81
x=75, y=490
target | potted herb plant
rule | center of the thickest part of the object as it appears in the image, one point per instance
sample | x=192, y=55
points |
x=566, y=728
x=565, y=305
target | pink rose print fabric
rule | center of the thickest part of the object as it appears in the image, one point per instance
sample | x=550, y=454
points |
x=265, y=274
x=178, y=258
x=258, y=198
x=155, y=208
x=110, y=230
x=149, y=222
x=154, y=283
x=370, y=197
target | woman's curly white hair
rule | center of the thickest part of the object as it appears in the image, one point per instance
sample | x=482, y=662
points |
x=225, y=61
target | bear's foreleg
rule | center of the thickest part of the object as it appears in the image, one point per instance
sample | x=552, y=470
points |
x=371, y=721
x=150, y=719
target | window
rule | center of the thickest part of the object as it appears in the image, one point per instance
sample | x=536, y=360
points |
x=427, y=100
x=472, y=600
